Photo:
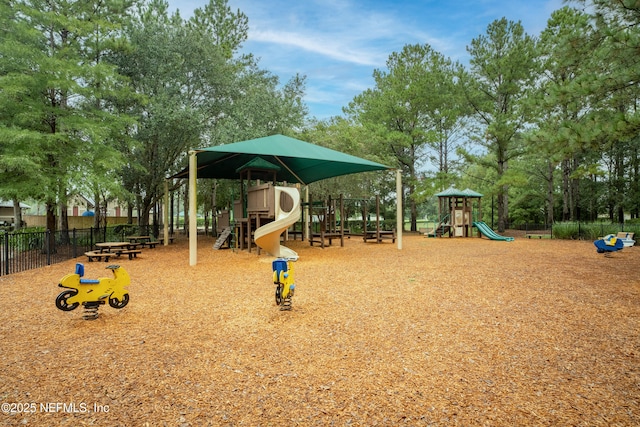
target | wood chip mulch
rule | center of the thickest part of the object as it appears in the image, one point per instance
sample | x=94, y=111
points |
x=467, y=332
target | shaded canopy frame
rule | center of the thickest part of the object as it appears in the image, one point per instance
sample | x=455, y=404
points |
x=299, y=162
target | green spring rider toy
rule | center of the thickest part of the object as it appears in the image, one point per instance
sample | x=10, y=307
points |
x=283, y=279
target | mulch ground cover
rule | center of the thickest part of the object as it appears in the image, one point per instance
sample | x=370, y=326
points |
x=443, y=332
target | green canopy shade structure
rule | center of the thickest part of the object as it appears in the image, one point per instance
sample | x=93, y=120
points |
x=454, y=192
x=288, y=159
x=299, y=161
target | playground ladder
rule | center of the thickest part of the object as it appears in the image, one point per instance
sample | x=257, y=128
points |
x=222, y=238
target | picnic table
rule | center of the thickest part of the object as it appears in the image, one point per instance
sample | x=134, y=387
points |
x=139, y=239
x=116, y=246
x=144, y=241
x=110, y=249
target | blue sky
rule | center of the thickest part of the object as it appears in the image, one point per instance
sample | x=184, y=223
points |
x=338, y=44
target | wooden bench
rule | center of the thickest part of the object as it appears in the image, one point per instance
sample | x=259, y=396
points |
x=98, y=256
x=538, y=236
x=161, y=240
x=321, y=237
x=151, y=245
x=379, y=236
x=133, y=253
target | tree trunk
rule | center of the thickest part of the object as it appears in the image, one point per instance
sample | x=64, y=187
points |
x=503, y=204
x=129, y=213
x=185, y=212
x=51, y=224
x=565, y=190
x=414, y=209
x=503, y=195
x=619, y=184
x=573, y=192
x=214, y=208
x=97, y=212
x=550, y=196
x=17, y=215
x=634, y=207
x=64, y=224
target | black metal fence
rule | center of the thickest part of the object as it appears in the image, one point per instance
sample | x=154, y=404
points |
x=579, y=230
x=20, y=251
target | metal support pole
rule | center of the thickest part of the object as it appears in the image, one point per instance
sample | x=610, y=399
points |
x=165, y=217
x=193, y=217
x=399, y=214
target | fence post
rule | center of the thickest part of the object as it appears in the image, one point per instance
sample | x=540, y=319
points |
x=6, y=252
x=47, y=239
x=74, y=249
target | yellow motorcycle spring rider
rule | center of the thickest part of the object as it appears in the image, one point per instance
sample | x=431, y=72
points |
x=92, y=293
x=283, y=279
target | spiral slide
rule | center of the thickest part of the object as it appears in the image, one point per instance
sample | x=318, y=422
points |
x=268, y=236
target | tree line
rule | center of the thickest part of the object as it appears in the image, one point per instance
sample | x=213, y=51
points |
x=546, y=126
x=106, y=98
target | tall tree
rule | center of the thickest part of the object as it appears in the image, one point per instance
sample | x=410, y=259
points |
x=198, y=90
x=413, y=109
x=502, y=72
x=612, y=121
x=57, y=76
x=615, y=49
x=183, y=74
x=20, y=158
x=564, y=59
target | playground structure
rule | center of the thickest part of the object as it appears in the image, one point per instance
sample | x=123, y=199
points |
x=325, y=221
x=261, y=204
x=457, y=216
x=286, y=213
x=92, y=293
x=282, y=158
x=378, y=235
x=456, y=213
x=328, y=221
x=265, y=211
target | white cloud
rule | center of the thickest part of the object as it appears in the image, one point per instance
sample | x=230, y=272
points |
x=331, y=47
x=338, y=43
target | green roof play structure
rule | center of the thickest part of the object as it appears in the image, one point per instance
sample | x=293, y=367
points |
x=456, y=212
x=275, y=158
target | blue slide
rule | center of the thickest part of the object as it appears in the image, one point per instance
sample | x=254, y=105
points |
x=488, y=232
